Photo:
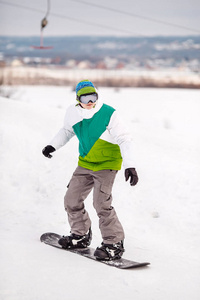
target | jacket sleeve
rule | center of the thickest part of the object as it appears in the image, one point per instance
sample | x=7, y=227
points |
x=63, y=135
x=123, y=138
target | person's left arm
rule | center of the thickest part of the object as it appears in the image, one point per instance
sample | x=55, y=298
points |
x=123, y=138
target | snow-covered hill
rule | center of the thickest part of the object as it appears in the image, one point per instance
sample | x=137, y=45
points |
x=161, y=215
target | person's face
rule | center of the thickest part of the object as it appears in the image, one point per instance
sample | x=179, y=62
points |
x=89, y=105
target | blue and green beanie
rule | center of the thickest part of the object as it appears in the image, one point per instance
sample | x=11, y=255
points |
x=85, y=87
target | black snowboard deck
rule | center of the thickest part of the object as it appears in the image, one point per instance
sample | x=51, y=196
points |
x=51, y=239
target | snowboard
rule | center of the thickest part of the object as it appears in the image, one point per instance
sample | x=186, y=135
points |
x=51, y=239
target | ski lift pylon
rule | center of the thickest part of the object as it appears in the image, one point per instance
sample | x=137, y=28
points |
x=44, y=23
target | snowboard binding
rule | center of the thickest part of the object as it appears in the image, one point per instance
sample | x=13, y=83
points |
x=76, y=241
x=109, y=251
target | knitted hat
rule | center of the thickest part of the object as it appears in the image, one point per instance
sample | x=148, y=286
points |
x=85, y=87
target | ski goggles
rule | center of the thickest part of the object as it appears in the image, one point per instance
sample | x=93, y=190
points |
x=85, y=99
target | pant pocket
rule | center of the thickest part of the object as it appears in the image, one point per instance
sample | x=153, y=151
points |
x=106, y=189
x=105, y=194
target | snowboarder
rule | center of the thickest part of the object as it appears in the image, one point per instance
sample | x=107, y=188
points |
x=103, y=143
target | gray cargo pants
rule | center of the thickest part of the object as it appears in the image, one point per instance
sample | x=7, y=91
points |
x=81, y=184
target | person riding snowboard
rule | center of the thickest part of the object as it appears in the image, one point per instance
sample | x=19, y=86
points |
x=103, y=143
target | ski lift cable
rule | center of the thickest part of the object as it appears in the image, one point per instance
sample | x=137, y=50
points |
x=72, y=19
x=21, y=6
x=99, y=25
x=136, y=15
x=94, y=24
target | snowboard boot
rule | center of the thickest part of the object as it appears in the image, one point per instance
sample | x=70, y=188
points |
x=76, y=241
x=109, y=251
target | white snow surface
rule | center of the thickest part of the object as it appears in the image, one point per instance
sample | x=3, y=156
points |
x=160, y=216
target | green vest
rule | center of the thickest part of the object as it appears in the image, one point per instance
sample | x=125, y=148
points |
x=97, y=154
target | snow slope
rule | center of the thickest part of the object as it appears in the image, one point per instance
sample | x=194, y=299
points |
x=161, y=215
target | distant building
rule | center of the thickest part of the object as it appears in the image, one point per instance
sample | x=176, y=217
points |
x=2, y=63
x=85, y=64
x=71, y=63
x=16, y=63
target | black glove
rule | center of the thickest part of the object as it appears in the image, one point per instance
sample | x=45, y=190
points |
x=47, y=150
x=131, y=172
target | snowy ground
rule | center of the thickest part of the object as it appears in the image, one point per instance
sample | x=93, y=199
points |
x=161, y=215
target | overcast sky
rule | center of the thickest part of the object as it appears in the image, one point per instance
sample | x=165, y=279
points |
x=146, y=19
